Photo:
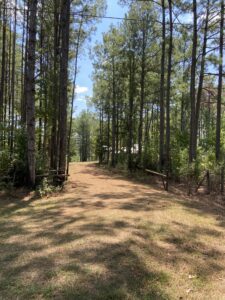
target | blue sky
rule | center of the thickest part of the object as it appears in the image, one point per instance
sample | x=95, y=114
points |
x=84, y=82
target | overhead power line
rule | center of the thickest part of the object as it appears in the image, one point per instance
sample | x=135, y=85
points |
x=87, y=15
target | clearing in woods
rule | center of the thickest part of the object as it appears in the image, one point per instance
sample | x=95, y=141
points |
x=108, y=237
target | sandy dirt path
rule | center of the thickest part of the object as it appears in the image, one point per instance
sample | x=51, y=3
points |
x=110, y=237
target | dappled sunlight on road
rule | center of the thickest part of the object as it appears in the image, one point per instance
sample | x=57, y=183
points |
x=110, y=237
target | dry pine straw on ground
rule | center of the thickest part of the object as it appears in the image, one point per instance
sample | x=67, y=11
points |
x=109, y=237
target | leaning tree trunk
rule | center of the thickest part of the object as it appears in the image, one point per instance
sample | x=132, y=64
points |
x=30, y=90
x=65, y=27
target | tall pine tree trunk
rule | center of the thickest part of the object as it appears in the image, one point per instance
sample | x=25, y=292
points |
x=143, y=73
x=63, y=99
x=30, y=90
x=73, y=93
x=201, y=79
x=170, y=52
x=113, y=162
x=55, y=92
x=22, y=68
x=3, y=63
x=162, y=89
x=13, y=81
x=220, y=84
x=131, y=111
x=192, y=150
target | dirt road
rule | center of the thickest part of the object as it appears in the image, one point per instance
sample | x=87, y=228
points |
x=108, y=237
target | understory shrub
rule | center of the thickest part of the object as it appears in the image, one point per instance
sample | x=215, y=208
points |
x=47, y=188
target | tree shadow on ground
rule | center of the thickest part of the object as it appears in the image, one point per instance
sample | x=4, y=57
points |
x=51, y=264
x=202, y=205
x=90, y=245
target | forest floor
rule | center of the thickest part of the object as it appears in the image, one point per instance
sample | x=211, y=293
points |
x=110, y=237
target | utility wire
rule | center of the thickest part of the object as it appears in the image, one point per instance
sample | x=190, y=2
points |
x=85, y=15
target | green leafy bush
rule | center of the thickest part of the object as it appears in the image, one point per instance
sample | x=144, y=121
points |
x=46, y=188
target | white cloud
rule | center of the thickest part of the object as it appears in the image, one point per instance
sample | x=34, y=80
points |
x=81, y=89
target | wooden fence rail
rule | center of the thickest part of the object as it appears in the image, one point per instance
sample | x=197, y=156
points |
x=207, y=177
x=165, y=178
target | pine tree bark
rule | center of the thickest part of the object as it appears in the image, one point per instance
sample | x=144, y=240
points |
x=143, y=73
x=30, y=90
x=24, y=105
x=192, y=150
x=3, y=64
x=131, y=110
x=170, y=52
x=42, y=78
x=220, y=85
x=108, y=135
x=55, y=93
x=162, y=89
x=73, y=93
x=113, y=162
x=13, y=81
x=22, y=69
x=8, y=94
x=201, y=78
x=63, y=98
